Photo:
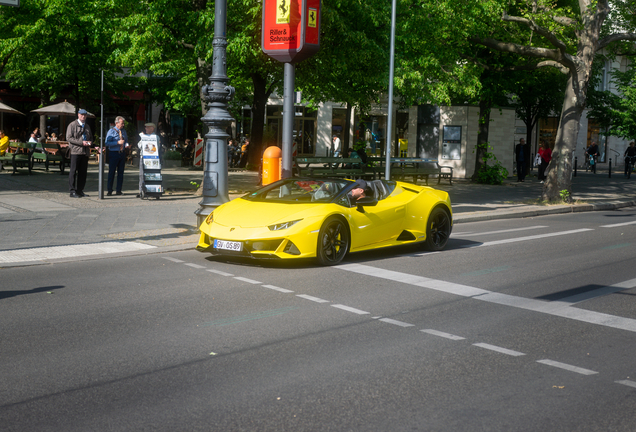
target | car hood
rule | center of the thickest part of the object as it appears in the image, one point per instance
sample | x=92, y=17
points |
x=251, y=214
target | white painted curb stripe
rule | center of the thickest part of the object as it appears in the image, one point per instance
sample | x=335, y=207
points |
x=442, y=334
x=275, y=288
x=567, y=367
x=70, y=251
x=251, y=281
x=499, y=349
x=314, y=299
x=396, y=322
x=350, y=309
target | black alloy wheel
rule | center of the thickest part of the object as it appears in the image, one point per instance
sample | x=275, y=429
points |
x=333, y=241
x=438, y=229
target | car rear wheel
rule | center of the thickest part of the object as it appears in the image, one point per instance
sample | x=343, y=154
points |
x=333, y=241
x=438, y=229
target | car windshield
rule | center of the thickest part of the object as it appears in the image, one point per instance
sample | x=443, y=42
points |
x=300, y=191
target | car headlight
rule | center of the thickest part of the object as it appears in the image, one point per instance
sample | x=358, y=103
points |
x=282, y=226
x=210, y=218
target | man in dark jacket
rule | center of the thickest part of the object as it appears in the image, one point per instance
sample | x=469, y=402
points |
x=520, y=156
x=80, y=140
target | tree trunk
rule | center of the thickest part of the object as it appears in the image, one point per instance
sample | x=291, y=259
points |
x=346, y=145
x=481, y=148
x=204, y=70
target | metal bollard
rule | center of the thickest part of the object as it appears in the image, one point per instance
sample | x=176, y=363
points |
x=610, y=168
x=576, y=161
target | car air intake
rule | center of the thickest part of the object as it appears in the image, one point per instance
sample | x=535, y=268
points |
x=405, y=236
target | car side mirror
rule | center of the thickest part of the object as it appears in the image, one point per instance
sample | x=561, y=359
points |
x=366, y=202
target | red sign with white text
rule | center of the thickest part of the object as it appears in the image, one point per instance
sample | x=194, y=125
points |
x=291, y=29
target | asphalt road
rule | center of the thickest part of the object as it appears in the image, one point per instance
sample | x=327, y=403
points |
x=520, y=325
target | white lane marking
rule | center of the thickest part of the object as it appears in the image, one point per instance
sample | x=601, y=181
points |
x=197, y=266
x=500, y=231
x=70, y=251
x=275, y=288
x=627, y=383
x=567, y=367
x=442, y=334
x=499, y=349
x=578, y=298
x=219, y=272
x=560, y=309
x=534, y=237
x=252, y=281
x=314, y=299
x=618, y=224
x=350, y=309
x=172, y=259
x=396, y=322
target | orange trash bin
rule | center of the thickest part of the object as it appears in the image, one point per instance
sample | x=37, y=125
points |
x=272, y=165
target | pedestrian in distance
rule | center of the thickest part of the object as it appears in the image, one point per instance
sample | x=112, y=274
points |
x=520, y=150
x=630, y=157
x=116, y=142
x=80, y=141
x=546, y=156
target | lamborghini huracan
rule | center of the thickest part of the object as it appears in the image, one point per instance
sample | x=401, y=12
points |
x=326, y=219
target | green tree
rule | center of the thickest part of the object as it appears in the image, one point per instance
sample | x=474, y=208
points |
x=566, y=37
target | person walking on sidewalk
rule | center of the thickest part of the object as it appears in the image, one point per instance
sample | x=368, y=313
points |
x=80, y=140
x=520, y=150
x=116, y=142
x=546, y=156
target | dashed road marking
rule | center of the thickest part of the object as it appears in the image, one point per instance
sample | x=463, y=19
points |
x=197, y=266
x=172, y=259
x=442, y=334
x=350, y=309
x=567, y=367
x=499, y=349
x=275, y=288
x=219, y=272
x=396, y=322
x=250, y=281
x=314, y=299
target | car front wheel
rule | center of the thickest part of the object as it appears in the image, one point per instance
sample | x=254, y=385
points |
x=438, y=229
x=333, y=241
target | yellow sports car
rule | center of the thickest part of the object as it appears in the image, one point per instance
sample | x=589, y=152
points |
x=303, y=218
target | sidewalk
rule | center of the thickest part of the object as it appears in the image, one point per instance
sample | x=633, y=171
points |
x=37, y=212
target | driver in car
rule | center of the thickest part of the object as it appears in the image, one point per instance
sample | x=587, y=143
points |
x=360, y=190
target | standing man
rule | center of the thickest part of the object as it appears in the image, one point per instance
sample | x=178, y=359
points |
x=80, y=140
x=116, y=142
x=336, y=146
x=520, y=150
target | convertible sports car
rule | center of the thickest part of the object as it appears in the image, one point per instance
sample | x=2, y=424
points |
x=325, y=218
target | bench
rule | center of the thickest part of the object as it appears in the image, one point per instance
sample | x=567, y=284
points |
x=19, y=156
x=50, y=152
x=416, y=168
x=334, y=167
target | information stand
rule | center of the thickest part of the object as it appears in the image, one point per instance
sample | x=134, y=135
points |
x=150, y=179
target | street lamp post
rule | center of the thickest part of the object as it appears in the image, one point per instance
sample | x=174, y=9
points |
x=217, y=95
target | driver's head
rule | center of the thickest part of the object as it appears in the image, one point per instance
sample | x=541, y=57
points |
x=357, y=193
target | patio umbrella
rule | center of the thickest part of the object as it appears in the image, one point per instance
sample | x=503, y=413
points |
x=7, y=109
x=61, y=109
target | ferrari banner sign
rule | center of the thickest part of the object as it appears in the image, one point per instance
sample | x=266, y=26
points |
x=291, y=29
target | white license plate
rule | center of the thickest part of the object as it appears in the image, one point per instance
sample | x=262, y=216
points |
x=228, y=245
